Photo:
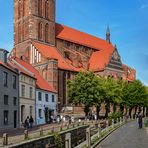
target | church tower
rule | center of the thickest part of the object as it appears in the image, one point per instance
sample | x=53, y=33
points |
x=33, y=20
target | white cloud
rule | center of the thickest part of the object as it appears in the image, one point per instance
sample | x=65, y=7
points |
x=143, y=6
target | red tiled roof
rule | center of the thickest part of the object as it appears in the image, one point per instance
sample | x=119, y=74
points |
x=53, y=53
x=8, y=67
x=41, y=83
x=14, y=65
x=73, y=35
x=99, y=59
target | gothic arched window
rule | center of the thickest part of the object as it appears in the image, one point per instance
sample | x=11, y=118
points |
x=19, y=32
x=40, y=7
x=46, y=33
x=40, y=31
x=24, y=7
x=46, y=9
x=19, y=9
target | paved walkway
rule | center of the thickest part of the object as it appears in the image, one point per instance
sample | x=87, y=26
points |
x=128, y=136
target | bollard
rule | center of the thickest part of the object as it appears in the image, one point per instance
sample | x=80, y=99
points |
x=120, y=120
x=5, y=139
x=41, y=131
x=68, y=140
x=112, y=123
x=107, y=124
x=25, y=134
x=88, y=139
x=99, y=130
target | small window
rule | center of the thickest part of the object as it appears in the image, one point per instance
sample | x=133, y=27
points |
x=31, y=92
x=40, y=113
x=5, y=79
x=46, y=97
x=14, y=101
x=6, y=117
x=53, y=100
x=14, y=81
x=5, y=99
x=23, y=90
x=68, y=44
x=39, y=96
x=31, y=109
x=77, y=47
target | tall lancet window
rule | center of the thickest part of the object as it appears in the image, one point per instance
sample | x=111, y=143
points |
x=19, y=9
x=40, y=31
x=46, y=9
x=46, y=33
x=40, y=7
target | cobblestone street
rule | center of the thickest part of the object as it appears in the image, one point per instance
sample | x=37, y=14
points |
x=128, y=136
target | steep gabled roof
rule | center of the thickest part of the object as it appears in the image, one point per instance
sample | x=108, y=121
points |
x=41, y=83
x=72, y=35
x=53, y=53
x=129, y=72
x=99, y=59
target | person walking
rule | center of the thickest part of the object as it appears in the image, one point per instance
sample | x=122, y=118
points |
x=27, y=122
x=140, y=122
x=31, y=122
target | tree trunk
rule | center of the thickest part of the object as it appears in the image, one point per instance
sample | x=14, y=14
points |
x=130, y=112
x=98, y=110
x=107, y=107
x=147, y=112
x=135, y=112
x=86, y=110
x=114, y=108
x=139, y=110
x=122, y=108
x=143, y=111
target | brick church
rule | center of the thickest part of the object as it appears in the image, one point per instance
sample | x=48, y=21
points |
x=57, y=51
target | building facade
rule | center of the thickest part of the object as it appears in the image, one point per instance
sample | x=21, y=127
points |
x=45, y=106
x=9, y=94
x=36, y=94
x=27, y=90
x=59, y=52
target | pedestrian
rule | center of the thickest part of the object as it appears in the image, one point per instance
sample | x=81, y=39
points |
x=140, y=122
x=72, y=119
x=27, y=122
x=31, y=122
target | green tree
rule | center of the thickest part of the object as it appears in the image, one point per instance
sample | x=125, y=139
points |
x=112, y=94
x=83, y=89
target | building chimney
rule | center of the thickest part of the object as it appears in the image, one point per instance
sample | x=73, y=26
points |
x=3, y=55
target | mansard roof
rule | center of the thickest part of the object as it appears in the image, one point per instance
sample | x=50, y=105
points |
x=41, y=83
x=72, y=35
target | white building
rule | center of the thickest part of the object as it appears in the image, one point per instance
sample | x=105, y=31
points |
x=45, y=102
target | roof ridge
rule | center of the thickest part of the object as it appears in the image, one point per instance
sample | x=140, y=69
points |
x=21, y=66
x=82, y=32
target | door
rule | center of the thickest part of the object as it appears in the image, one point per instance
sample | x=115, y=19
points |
x=15, y=119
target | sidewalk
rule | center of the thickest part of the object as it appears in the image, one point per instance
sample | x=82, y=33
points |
x=128, y=136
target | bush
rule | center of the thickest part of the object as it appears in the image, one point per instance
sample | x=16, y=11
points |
x=115, y=116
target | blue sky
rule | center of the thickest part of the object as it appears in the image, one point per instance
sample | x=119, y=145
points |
x=128, y=20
